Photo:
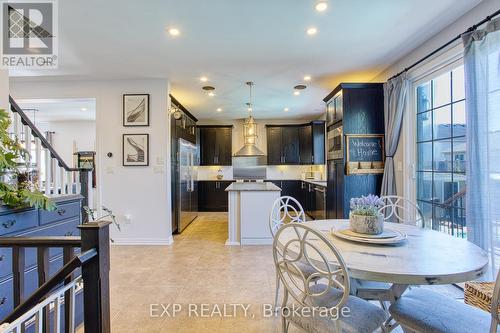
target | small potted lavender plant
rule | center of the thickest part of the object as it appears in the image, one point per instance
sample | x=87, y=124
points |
x=365, y=217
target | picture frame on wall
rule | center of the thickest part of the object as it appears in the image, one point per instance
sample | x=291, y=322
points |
x=135, y=149
x=135, y=110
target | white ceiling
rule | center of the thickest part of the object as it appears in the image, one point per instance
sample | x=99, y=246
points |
x=58, y=110
x=233, y=41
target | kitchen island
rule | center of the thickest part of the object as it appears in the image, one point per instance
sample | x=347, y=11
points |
x=249, y=208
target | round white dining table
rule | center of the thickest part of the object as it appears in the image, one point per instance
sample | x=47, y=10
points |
x=426, y=257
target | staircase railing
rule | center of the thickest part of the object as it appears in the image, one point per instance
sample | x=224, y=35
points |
x=59, y=177
x=45, y=302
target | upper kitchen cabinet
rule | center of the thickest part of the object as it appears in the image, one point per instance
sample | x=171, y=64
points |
x=357, y=107
x=283, y=145
x=296, y=144
x=215, y=145
x=183, y=123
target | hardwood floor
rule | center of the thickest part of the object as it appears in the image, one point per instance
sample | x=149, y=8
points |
x=198, y=268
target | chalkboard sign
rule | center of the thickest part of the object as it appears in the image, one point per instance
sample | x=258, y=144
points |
x=365, y=153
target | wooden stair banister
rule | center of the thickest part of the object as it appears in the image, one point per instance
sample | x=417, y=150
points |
x=59, y=177
x=34, y=130
x=50, y=284
x=94, y=263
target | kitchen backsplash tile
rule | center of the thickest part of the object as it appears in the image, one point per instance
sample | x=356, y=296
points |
x=273, y=172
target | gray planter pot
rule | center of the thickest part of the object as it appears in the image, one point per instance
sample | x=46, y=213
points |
x=370, y=225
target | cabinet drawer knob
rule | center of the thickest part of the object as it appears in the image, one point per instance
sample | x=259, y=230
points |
x=3, y=300
x=2, y=257
x=69, y=233
x=9, y=224
x=61, y=211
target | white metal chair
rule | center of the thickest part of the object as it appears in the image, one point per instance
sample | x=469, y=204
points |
x=318, y=300
x=285, y=210
x=422, y=310
x=399, y=210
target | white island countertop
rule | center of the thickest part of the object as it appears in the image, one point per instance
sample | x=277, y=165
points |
x=253, y=186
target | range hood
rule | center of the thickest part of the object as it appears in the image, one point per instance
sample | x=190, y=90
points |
x=249, y=150
x=249, y=136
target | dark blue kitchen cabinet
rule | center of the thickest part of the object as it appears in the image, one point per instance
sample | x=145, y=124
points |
x=29, y=222
x=352, y=109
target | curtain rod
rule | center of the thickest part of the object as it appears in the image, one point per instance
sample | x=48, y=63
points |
x=474, y=27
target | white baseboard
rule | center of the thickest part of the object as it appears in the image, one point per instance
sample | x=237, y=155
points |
x=143, y=241
x=257, y=241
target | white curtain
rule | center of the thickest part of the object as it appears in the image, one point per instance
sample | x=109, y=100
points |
x=395, y=96
x=482, y=86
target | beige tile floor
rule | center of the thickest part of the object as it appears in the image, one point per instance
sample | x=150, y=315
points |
x=198, y=268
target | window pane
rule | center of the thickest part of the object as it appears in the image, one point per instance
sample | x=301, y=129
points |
x=424, y=186
x=424, y=156
x=459, y=154
x=458, y=83
x=459, y=119
x=441, y=152
x=444, y=188
x=442, y=122
x=424, y=129
x=424, y=97
x=426, y=209
x=442, y=155
x=441, y=90
x=459, y=200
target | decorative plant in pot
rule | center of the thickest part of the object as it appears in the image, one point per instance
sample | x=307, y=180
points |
x=365, y=217
x=17, y=188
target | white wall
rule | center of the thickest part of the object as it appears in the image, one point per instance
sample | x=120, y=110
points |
x=478, y=13
x=4, y=89
x=143, y=193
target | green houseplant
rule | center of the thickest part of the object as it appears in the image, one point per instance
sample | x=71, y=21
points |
x=22, y=193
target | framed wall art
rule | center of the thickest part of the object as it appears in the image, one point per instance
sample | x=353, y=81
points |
x=136, y=110
x=135, y=149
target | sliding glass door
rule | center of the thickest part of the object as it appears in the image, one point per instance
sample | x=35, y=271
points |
x=441, y=151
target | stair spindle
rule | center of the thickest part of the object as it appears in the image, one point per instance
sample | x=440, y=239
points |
x=16, y=120
x=48, y=164
x=64, y=189
x=70, y=182
x=57, y=179
x=38, y=157
x=27, y=143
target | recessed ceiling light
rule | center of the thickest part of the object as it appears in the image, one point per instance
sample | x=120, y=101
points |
x=83, y=109
x=203, y=79
x=249, y=109
x=307, y=78
x=321, y=6
x=219, y=109
x=285, y=109
x=174, y=32
x=211, y=94
x=312, y=31
x=296, y=93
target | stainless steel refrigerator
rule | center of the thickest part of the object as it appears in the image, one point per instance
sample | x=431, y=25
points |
x=187, y=185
